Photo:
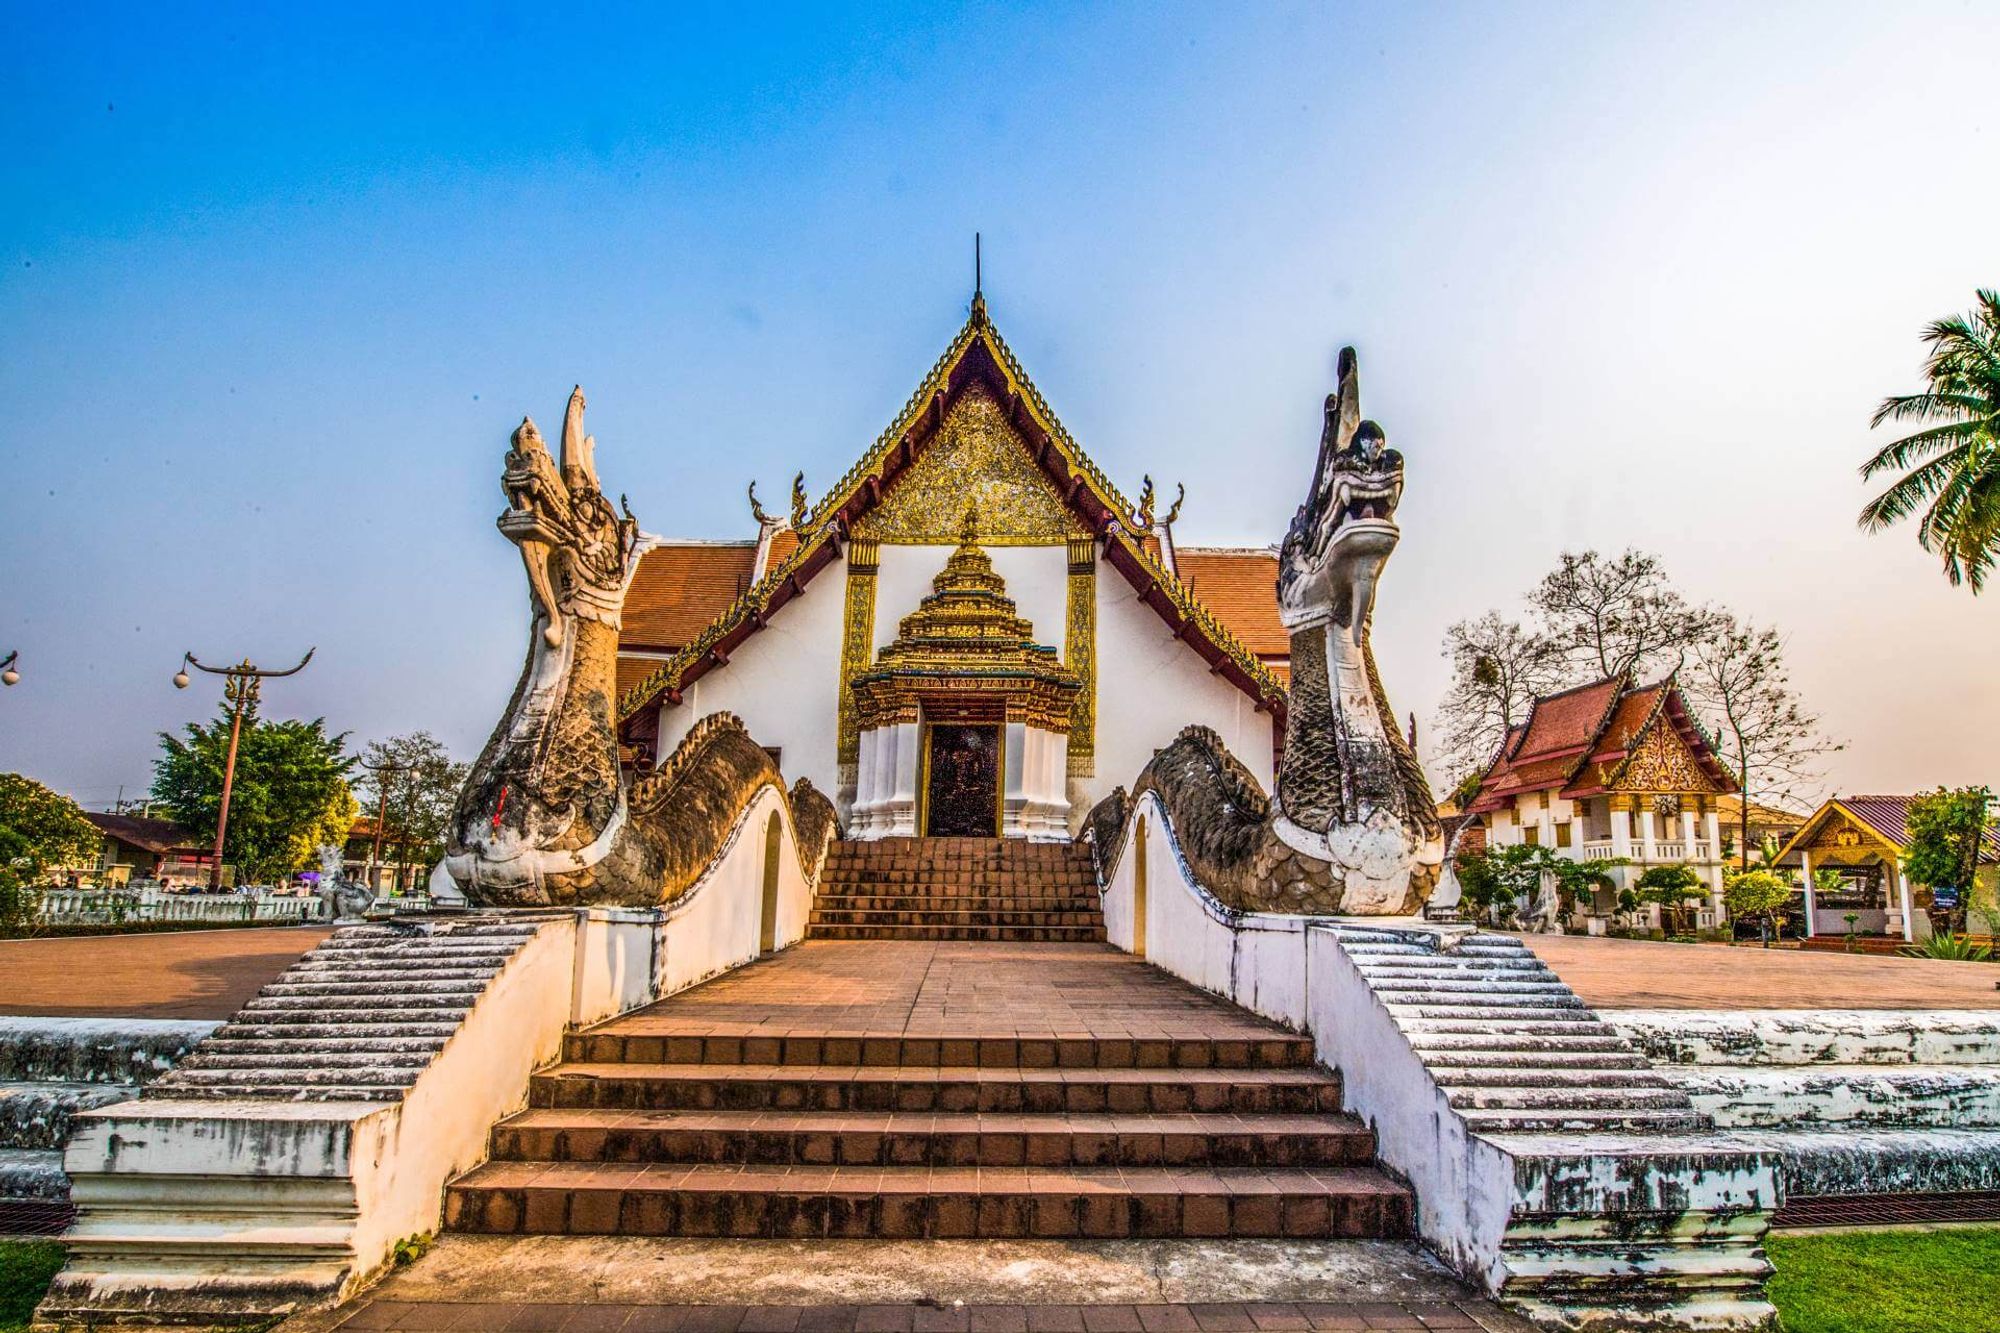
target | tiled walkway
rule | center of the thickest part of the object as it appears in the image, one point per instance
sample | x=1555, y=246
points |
x=924, y=989
x=1468, y=1317
x=163, y=974
x=1641, y=974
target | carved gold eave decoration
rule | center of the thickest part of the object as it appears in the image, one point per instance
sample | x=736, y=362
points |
x=1661, y=762
x=1836, y=834
x=1038, y=430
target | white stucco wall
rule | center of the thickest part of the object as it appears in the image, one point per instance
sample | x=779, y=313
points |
x=1149, y=686
x=714, y=926
x=782, y=681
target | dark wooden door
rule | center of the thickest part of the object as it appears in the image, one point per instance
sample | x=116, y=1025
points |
x=962, y=795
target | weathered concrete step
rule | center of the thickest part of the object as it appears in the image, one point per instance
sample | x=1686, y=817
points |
x=310, y=1058
x=391, y=988
x=922, y=1203
x=38, y=1115
x=339, y=1034
x=1473, y=1001
x=611, y=1045
x=365, y=1006
x=1565, y=1098
x=1548, y=1025
x=321, y=1039
x=309, y=969
x=1553, y=1120
x=902, y=1139
x=184, y=1078
x=950, y=1089
x=32, y=1173
x=1524, y=987
x=125, y=1051
x=318, y=1092
x=1438, y=1046
x=1531, y=1059
x=1494, y=1017
x=1814, y=1037
x=1587, y=1078
x=1416, y=969
x=1870, y=1096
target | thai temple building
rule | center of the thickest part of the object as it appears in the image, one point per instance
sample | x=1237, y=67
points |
x=1612, y=771
x=934, y=653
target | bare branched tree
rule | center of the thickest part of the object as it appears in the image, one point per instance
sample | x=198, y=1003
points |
x=1736, y=678
x=1498, y=666
x=1619, y=615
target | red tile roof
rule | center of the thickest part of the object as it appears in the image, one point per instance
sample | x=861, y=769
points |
x=680, y=588
x=158, y=836
x=1241, y=588
x=1591, y=726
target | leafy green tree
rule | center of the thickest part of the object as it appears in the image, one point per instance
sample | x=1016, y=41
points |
x=1947, y=830
x=1951, y=468
x=39, y=830
x=1756, y=895
x=412, y=783
x=290, y=795
x=1673, y=887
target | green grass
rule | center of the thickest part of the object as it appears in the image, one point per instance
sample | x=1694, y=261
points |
x=26, y=1267
x=1888, y=1281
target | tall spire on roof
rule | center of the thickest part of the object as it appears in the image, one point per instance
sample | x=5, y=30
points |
x=978, y=283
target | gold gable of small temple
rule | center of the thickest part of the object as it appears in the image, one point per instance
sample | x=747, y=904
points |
x=978, y=456
x=1662, y=761
x=966, y=654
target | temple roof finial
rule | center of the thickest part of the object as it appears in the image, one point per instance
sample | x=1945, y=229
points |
x=978, y=283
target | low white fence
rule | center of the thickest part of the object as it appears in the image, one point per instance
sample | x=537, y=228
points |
x=97, y=907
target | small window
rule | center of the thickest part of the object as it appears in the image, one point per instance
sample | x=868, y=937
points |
x=1532, y=835
x=1562, y=834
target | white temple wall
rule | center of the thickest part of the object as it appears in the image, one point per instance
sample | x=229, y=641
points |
x=782, y=682
x=1037, y=579
x=1149, y=686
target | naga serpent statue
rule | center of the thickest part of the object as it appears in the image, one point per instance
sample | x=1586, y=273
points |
x=1353, y=829
x=548, y=814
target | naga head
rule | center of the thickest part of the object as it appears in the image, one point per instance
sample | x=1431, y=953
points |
x=576, y=549
x=1343, y=534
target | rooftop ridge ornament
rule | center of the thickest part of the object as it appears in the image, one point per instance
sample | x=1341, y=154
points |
x=978, y=283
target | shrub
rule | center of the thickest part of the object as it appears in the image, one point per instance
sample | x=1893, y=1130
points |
x=1950, y=948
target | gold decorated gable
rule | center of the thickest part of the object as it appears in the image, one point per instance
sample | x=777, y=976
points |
x=977, y=457
x=1662, y=761
x=1840, y=837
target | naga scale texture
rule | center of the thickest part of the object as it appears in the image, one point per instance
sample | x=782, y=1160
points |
x=548, y=815
x=1353, y=829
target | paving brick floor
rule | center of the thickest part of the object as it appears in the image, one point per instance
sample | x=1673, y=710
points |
x=1469, y=1316
x=1642, y=974
x=927, y=989
x=166, y=974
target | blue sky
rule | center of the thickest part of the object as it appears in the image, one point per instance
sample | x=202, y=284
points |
x=275, y=283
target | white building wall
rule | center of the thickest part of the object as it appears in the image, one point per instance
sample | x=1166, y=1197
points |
x=1149, y=686
x=782, y=681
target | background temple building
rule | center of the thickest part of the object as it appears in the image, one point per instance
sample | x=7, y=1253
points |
x=1024, y=636
x=1862, y=840
x=1612, y=770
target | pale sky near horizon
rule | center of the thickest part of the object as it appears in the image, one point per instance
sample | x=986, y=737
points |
x=275, y=284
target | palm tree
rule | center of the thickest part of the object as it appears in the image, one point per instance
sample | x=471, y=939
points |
x=1951, y=468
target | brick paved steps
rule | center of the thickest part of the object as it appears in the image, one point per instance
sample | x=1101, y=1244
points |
x=593, y=1198
x=914, y=1090
x=1277, y=1050
x=970, y=889
x=934, y=1088
x=807, y=1138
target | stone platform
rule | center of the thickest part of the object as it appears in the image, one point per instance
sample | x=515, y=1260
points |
x=163, y=974
x=734, y=1286
x=1643, y=974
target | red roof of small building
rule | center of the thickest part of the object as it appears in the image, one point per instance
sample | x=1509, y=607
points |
x=158, y=836
x=1241, y=588
x=1572, y=740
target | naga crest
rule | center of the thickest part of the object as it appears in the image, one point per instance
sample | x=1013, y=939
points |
x=576, y=549
x=1344, y=532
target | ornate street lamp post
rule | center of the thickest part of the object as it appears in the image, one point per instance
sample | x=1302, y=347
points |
x=8, y=674
x=241, y=684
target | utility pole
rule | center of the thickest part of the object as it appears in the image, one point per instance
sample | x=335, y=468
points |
x=241, y=685
x=381, y=813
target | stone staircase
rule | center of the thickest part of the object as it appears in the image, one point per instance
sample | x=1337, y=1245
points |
x=356, y=1019
x=682, y=1120
x=1513, y=1047
x=957, y=889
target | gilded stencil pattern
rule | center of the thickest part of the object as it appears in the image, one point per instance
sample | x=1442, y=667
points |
x=1661, y=762
x=857, y=640
x=1080, y=655
x=976, y=457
